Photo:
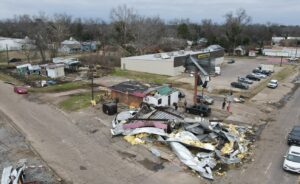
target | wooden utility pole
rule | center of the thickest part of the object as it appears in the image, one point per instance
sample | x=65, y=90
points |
x=7, y=57
x=196, y=86
x=281, y=61
x=92, y=85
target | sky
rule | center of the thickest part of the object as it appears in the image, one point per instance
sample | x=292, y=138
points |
x=262, y=11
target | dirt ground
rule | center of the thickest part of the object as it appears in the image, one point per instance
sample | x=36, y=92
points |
x=14, y=147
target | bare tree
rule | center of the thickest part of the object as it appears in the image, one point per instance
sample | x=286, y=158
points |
x=59, y=30
x=147, y=33
x=123, y=18
x=40, y=32
x=28, y=49
x=234, y=25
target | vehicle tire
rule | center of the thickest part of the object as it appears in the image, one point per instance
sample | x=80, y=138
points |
x=201, y=114
x=106, y=111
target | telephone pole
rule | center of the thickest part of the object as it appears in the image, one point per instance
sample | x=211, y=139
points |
x=7, y=57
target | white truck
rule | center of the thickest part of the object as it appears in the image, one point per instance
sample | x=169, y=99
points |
x=265, y=67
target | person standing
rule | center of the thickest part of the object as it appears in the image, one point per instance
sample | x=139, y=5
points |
x=223, y=104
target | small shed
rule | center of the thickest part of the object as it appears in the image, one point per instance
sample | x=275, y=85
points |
x=34, y=69
x=252, y=53
x=23, y=69
x=55, y=71
x=162, y=96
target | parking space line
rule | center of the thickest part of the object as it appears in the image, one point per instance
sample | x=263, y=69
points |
x=268, y=167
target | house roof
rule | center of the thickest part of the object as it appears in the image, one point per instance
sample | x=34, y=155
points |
x=165, y=90
x=134, y=88
x=168, y=56
x=71, y=42
x=23, y=66
x=55, y=66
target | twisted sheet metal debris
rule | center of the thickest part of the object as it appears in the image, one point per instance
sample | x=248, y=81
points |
x=198, y=143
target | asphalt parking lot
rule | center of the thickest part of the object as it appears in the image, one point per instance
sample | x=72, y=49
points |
x=230, y=73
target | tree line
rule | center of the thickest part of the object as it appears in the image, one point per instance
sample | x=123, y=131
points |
x=139, y=34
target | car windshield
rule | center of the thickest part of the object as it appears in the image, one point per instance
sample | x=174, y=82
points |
x=273, y=82
x=293, y=158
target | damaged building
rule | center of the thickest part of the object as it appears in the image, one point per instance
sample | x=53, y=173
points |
x=133, y=93
x=200, y=144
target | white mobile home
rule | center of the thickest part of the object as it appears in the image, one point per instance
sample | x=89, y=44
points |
x=55, y=71
x=163, y=96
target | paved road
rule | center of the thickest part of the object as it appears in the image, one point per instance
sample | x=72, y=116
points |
x=267, y=165
x=71, y=153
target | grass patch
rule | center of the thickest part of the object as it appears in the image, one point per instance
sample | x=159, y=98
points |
x=146, y=77
x=78, y=101
x=10, y=79
x=61, y=87
x=284, y=73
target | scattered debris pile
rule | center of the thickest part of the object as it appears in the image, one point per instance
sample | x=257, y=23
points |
x=198, y=143
x=15, y=175
x=18, y=174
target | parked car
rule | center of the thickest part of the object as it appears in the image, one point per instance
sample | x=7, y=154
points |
x=122, y=117
x=239, y=85
x=51, y=82
x=259, y=75
x=199, y=109
x=272, y=84
x=244, y=80
x=292, y=159
x=20, y=90
x=14, y=60
x=205, y=99
x=252, y=77
x=231, y=61
x=294, y=136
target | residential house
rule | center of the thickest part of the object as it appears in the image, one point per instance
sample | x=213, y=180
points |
x=70, y=46
x=240, y=50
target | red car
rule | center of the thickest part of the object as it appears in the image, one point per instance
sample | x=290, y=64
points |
x=20, y=90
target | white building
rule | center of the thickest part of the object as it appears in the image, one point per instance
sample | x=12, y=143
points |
x=162, y=97
x=277, y=39
x=14, y=43
x=282, y=52
x=55, y=71
x=171, y=63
